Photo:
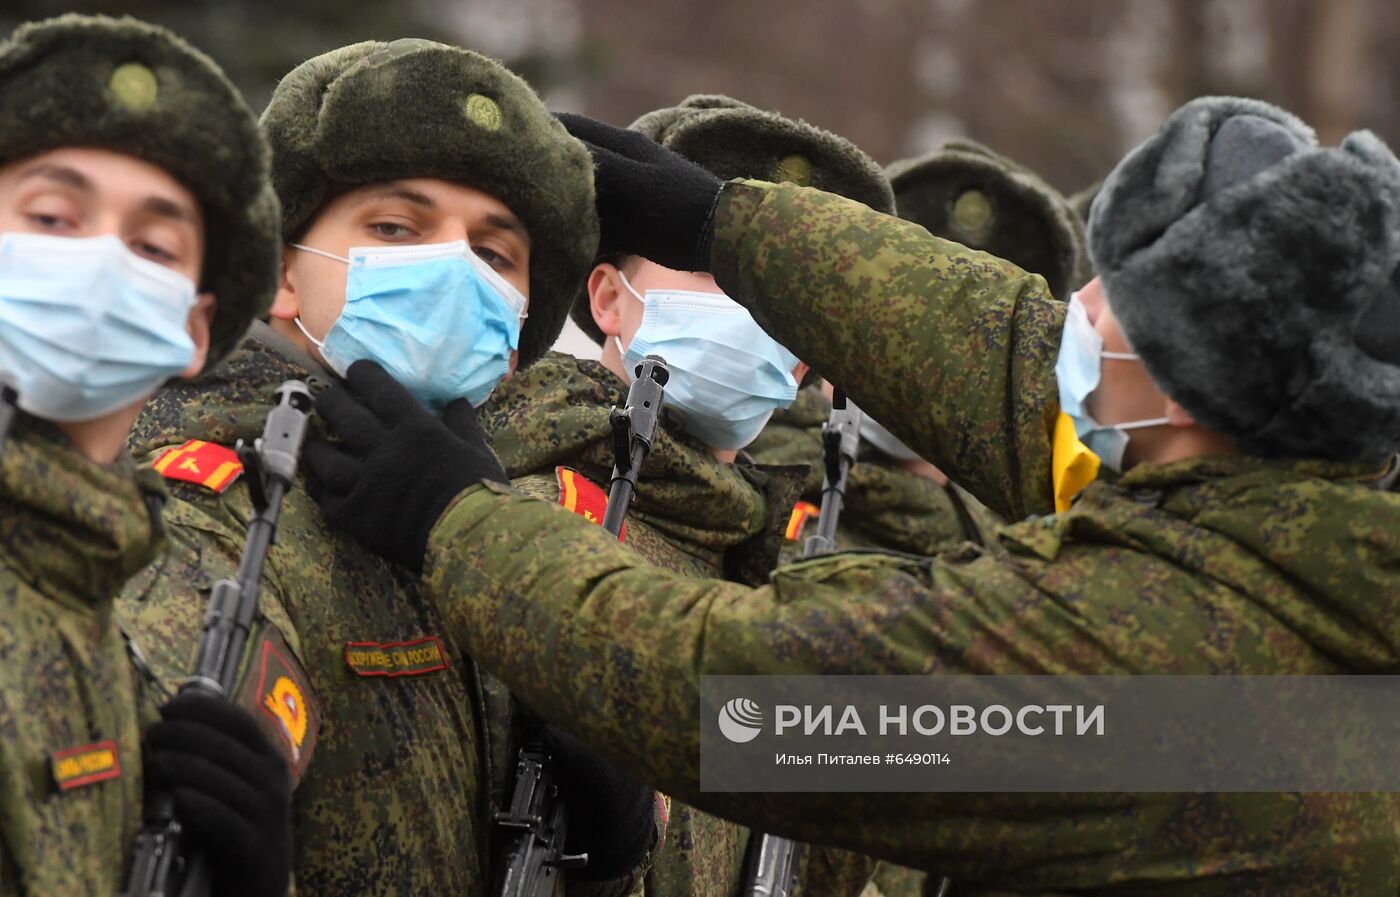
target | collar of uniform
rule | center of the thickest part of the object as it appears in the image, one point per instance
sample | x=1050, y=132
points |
x=75, y=529
x=1148, y=476
x=229, y=402
x=794, y=436
x=556, y=413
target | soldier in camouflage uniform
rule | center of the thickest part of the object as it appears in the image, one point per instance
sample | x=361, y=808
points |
x=137, y=242
x=387, y=153
x=701, y=507
x=895, y=499
x=1245, y=535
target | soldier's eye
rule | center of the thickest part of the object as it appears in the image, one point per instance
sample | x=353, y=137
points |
x=391, y=231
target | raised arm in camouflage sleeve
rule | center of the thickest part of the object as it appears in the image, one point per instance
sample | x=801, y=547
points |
x=531, y=589
x=966, y=342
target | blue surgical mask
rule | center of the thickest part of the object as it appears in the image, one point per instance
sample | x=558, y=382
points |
x=435, y=316
x=727, y=375
x=1078, y=370
x=86, y=326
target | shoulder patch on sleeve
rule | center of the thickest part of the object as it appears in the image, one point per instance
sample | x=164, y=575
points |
x=277, y=691
x=85, y=764
x=206, y=464
x=800, y=513
x=581, y=495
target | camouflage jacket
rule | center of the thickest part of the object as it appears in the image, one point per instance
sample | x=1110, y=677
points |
x=886, y=505
x=691, y=514
x=1211, y=565
x=414, y=752
x=71, y=532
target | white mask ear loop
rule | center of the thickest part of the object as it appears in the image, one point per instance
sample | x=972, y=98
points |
x=306, y=333
x=322, y=253
x=297, y=320
x=631, y=289
x=622, y=353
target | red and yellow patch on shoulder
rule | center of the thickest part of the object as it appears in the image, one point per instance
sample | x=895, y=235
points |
x=206, y=464
x=85, y=764
x=801, y=513
x=585, y=498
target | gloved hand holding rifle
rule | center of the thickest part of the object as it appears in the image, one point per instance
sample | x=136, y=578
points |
x=217, y=815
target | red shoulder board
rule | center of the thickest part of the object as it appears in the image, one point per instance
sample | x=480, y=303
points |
x=206, y=464
x=800, y=512
x=583, y=497
x=278, y=693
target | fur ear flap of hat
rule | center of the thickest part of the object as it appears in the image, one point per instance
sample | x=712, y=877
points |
x=411, y=108
x=969, y=194
x=1255, y=274
x=732, y=139
x=133, y=88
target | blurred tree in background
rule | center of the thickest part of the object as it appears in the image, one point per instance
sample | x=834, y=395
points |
x=1065, y=86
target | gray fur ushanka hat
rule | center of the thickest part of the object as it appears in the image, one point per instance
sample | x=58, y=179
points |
x=375, y=111
x=1255, y=274
x=967, y=193
x=731, y=139
x=129, y=87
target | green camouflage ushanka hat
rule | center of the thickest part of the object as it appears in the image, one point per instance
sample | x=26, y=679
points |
x=731, y=139
x=966, y=193
x=129, y=87
x=1255, y=273
x=375, y=111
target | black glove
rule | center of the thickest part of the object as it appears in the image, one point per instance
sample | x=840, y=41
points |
x=610, y=815
x=399, y=466
x=231, y=789
x=651, y=202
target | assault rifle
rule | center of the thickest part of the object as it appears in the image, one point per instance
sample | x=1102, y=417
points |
x=772, y=861
x=535, y=824
x=163, y=864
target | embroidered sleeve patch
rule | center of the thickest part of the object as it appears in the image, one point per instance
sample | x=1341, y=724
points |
x=581, y=495
x=393, y=659
x=800, y=514
x=206, y=464
x=85, y=764
x=278, y=693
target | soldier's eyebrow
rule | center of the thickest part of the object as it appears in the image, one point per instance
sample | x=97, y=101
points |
x=60, y=174
x=165, y=208
x=393, y=191
x=509, y=223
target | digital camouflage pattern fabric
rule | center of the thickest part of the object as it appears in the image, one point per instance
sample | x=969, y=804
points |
x=1217, y=564
x=691, y=514
x=887, y=506
x=416, y=748
x=71, y=533
x=395, y=800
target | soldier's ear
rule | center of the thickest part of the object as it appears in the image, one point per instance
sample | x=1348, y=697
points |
x=287, y=304
x=605, y=291
x=198, y=324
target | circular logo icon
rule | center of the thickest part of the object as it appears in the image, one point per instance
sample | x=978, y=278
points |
x=740, y=720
